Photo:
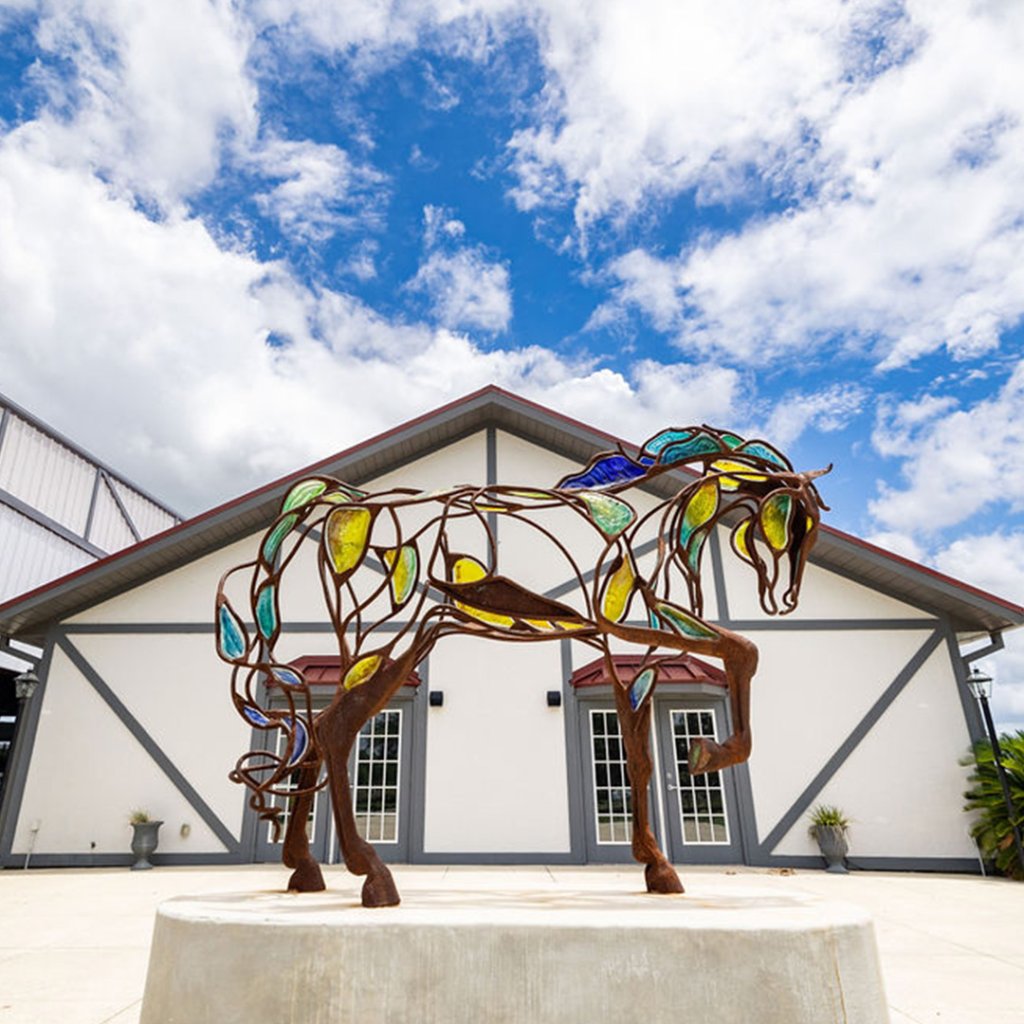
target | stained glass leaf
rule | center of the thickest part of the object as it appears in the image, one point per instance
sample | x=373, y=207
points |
x=362, y=671
x=303, y=493
x=272, y=541
x=683, y=622
x=611, y=515
x=300, y=739
x=694, y=549
x=641, y=688
x=266, y=610
x=741, y=541
x=345, y=538
x=776, y=516
x=232, y=639
x=255, y=716
x=603, y=471
x=699, y=509
x=763, y=450
x=403, y=563
x=619, y=590
x=286, y=676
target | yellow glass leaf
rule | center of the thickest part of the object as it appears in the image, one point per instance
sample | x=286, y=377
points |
x=570, y=625
x=362, y=671
x=540, y=624
x=404, y=565
x=775, y=514
x=468, y=570
x=738, y=473
x=618, y=591
x=345, y=537
x=699, y=509
x=740, y=541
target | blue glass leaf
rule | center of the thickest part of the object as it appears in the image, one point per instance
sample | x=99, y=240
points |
x=255, y=715
x=766, y=452
x=231, y=639
x=641, y=688
x=286, y=676
x=301, y=739
x=612, y=469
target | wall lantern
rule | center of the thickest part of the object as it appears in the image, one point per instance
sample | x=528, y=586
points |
x=554, y=698
x=436, y=698
x=25, y=685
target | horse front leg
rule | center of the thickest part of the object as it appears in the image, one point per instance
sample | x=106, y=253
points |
x=635, y=727
x=306, y=874
x=739, y=656
x=338, y=727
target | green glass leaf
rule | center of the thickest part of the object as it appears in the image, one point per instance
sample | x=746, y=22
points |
x=302, y=493
x=266, y=610
x=611, y=515
x=694, y=550
x=272, y=541
x=683, y=622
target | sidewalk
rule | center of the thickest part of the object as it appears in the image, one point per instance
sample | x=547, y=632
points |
x=74, y=944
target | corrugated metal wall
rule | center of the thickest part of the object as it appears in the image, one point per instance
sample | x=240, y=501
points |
x=60, y=509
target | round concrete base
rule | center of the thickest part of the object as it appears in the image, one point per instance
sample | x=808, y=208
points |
x=530, y=957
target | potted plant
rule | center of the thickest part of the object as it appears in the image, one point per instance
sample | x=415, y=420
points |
x=828, y=826
x=144, y=838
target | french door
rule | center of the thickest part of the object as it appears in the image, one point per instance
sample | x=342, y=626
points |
x=697, y=822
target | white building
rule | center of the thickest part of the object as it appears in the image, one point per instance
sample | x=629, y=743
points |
x=858, y=701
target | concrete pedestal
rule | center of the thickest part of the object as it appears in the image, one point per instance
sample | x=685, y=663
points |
x=528, y=957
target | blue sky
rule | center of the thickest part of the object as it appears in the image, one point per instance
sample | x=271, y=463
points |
x=235, y=237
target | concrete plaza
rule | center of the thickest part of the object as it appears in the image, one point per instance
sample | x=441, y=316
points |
x=74, y=944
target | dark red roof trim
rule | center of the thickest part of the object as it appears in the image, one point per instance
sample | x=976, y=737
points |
x=684, y=669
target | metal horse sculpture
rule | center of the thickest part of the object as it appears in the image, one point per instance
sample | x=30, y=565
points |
x=389, y=559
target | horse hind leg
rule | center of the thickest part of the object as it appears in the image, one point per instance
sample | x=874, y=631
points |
x=337, y=731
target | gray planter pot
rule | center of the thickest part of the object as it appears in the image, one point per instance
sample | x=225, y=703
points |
x=834, y=847
x=144, y=842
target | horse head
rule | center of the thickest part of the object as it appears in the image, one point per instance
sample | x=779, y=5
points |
x=776, y=535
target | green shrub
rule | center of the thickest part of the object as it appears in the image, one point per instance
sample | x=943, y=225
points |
x=993, y=831
x=826, y=814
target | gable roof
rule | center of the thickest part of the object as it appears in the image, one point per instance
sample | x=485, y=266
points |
x=970, y=609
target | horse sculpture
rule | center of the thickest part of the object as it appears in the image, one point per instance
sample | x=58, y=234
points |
x=390, y=559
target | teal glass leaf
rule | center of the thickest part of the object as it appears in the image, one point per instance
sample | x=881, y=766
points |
x=266, y=610
x=701, y=444
x=232, y=641
x=641, y=688
x=761, y=450
x=694, y=550
x=731, y=440
x=272, y=541
x=664, y=439
x=302, y=493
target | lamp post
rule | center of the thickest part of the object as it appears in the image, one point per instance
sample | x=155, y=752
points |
x=981, y=689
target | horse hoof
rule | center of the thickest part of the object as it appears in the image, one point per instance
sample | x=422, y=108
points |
x=661, y=877
x=307, y=877
x=700, y=754
x=380, y=891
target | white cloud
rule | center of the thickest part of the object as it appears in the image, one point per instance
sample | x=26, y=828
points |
x=956, y=462
x=828, y=410
x=157, y=91
x=466, y=289
x=440, y=225
x=320, y=189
